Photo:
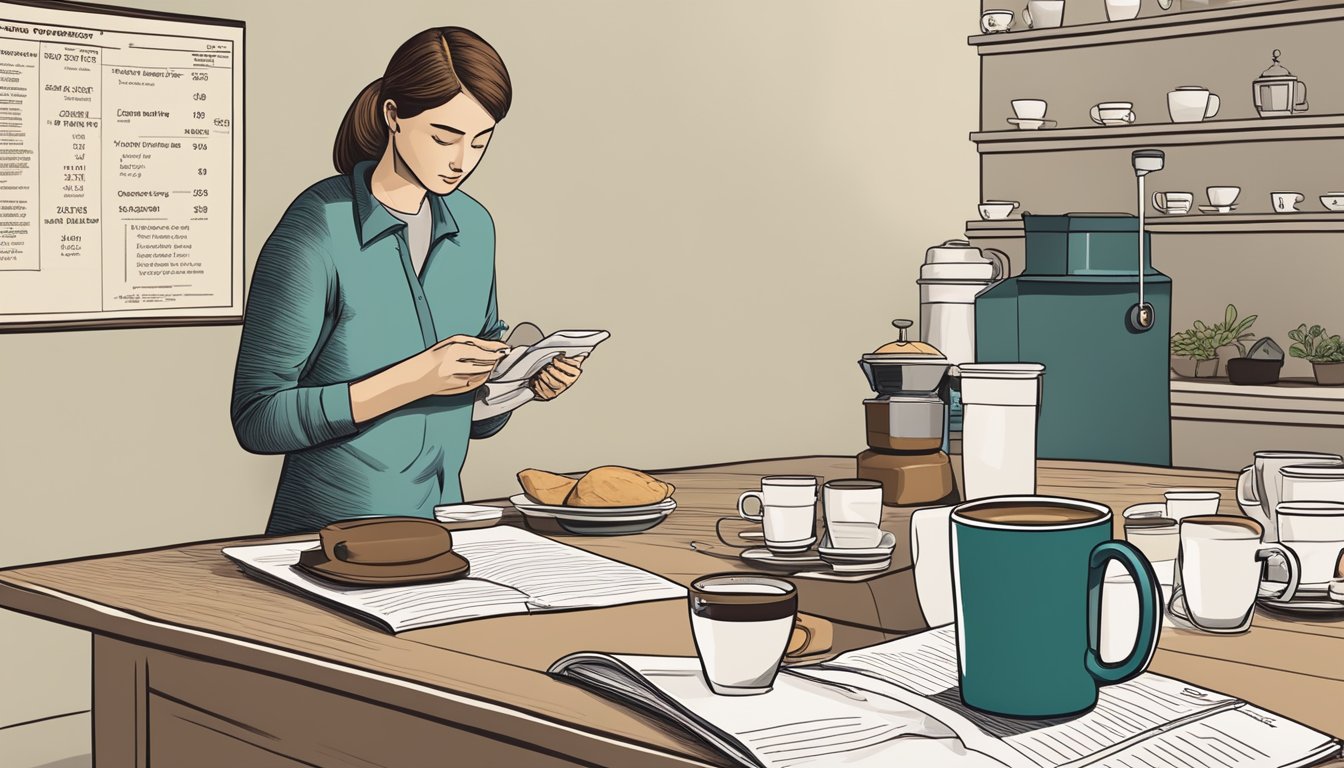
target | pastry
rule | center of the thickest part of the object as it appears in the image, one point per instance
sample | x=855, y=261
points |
x=546, y=487
x=617, y=487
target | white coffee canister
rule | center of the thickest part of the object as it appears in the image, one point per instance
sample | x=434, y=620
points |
x=952, y=275
x=1000, y=402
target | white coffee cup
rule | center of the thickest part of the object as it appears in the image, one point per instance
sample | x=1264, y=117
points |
x=741, y=624
x=1311, y=482
x=1285, y=202
x=1000, y=404
x=1040, y=14
x=1173, y=202
x=853, y=512
x=1218, y=572
x=996, y=21
x=780, y=491
x=1121, y=10
x=1221, y=197
x=1183, y=503
x=1314, y=530
x=992, y=210
x=1260, y=486
x=931, y=551
x=1113, y=113
x=1192, y=104
x=789, y=529
x=1029, y=109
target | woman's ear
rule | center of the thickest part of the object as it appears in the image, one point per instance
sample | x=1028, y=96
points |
x=390, y=116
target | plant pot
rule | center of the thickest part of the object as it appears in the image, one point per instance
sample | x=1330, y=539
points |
x=1183, y=366
x=1225, y=353
x=1245, y=370
x=1329, y=374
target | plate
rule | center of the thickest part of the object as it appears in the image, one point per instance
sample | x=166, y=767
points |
x=1026, y=124
x=1149, y=509
x=1217, y=208
x=763, y=556
x=521, y=501
x=859, y=560
x=581, y=522
x=1315, y=603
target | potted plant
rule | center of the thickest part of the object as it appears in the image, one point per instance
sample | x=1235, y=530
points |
x=1230, y=337
x=1193, y=354
x=1324, y=351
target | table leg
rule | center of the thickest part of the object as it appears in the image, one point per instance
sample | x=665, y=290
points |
x=120, y=704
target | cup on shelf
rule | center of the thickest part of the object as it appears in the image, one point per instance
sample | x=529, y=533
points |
x=1029, y=109
x=1174, y=203
x=1222, y=197
x=994, y=21
x=1192, y=104
x=1286, y=202
x=1113, y=113
x=1333, y=201
x=1041, y=14
x=1121, y=10
x=993, y=210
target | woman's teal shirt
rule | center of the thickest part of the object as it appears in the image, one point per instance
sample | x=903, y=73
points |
x=334, y=298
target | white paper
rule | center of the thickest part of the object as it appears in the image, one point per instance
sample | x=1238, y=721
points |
x=507, y=386
x=512, y=571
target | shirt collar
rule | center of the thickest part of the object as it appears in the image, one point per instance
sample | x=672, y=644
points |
x=373, y=218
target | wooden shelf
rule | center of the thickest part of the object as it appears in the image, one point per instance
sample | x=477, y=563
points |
x=1174, y=24
x=1195, y=223
x=1260, y=129
x=1291, y=402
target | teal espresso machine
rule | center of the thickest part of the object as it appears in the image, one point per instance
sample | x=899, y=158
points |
x=1099, y=323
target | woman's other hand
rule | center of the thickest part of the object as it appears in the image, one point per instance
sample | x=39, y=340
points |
x=460, y=364
x=557, y=376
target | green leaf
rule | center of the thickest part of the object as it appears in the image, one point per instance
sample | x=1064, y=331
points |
x=1230, y=316
x=1296, y=351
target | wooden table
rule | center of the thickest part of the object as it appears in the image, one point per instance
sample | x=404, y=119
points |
x=196, y=664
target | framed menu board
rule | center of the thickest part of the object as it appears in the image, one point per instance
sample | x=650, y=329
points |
x=121, y=167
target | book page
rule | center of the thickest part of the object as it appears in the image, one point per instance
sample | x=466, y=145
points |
x=1244, y=737
x=398, y=608
x=555, y=575
x=800, y=722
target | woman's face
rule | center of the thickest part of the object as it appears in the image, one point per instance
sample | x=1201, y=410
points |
x=442, y=146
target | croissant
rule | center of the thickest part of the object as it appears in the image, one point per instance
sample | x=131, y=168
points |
x=613, y=486
x=546, y=487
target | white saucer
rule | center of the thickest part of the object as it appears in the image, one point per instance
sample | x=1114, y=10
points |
x=1148, y=509
x=1318, y=603
x=1217, y=208
x=763, y=556
x=791, y=547
x=465, y=517
x=1115, y=123
x=859, y=559
x=1027, y=124
x=1173, y=213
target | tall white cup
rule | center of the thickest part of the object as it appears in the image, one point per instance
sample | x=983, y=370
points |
x=1260, y=486
x=853, y=511
x=1000, y=404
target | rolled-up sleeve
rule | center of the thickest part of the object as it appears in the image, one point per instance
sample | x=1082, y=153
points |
x=293, y=286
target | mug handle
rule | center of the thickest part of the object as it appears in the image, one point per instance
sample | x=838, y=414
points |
x=1294, y=567
x=1095, y=114
x=1150, y=612
x=1130, y=116
x=1026, y=16
x=1299, y=197
x=1214, y=104
x=742, y=510
x=1303, y=105
x=1162, y=206
x=1246, y=491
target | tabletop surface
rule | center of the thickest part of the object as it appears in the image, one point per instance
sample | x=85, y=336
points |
x=192, y=600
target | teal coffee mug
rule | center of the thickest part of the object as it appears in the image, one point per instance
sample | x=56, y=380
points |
x=1027, y=578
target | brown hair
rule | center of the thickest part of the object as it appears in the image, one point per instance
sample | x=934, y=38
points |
x=425, y=72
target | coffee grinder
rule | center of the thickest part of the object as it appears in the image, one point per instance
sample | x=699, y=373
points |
x=906, y=422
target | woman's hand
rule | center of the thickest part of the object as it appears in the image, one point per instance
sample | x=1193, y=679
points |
x=557, y=376
x=455, y=365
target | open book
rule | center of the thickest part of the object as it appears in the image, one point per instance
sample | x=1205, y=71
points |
x=512, y=571
x=507, y=387
x=897, y=704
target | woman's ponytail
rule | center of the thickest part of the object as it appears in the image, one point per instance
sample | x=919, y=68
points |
x=363, y=132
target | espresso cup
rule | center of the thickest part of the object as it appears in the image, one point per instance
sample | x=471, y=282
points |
x=789, y=530
x=1027, y=576
x=1041, y=14
x=780, y=491
x=992, y=210
x=1183, y=503
x=852, y=509
x=1029, y=109
x=1121, y=10
x=1192, y=104
x=741, y=624
x=1113, y=113
x=1222, y=197
x=1218, y=572
x=996, y=21
x=1173, y=202
x=1314, y=531
x=1260, y=486
x=1285, y=202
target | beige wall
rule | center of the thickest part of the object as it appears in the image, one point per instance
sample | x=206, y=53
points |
x=740, y=192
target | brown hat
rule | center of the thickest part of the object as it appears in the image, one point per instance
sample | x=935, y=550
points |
x=383, y=552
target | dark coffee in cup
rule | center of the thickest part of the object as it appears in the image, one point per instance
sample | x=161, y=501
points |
x=741, y=624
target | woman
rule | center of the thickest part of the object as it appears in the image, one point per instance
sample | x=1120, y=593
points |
x=372, y=315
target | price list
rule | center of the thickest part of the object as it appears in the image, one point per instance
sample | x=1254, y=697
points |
x=120, y=169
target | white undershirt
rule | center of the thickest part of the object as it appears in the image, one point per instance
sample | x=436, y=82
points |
x=419, y=228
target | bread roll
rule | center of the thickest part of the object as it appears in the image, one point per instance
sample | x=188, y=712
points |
x=546, y=487
x=617, y=487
